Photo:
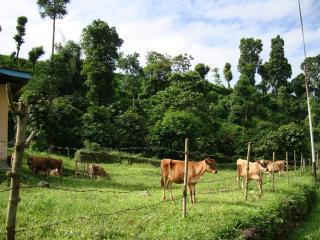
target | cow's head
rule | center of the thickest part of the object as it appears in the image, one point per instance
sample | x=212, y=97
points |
x=263, y=165
x=211, y=165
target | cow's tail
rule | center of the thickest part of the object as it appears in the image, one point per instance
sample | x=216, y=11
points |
x=162, y=173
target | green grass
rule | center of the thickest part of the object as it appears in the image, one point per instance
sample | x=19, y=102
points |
x=309, y=229
x=108, y=213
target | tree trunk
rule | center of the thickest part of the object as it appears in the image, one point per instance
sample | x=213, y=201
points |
x=16, y=169
x=53, y=35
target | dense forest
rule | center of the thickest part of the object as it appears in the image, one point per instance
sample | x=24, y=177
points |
x=89, y=94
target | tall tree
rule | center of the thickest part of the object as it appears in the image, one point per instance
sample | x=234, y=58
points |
x=54, y=9
x=181, y=63
x=100, y=44
x=216, y=76
x=133, y=71
x=21, y=32
x=202, y=69
x=313, y=73
x=35, y=54
x=157, y=72
x=227, y=73
x=249, y=60
x=277, y=70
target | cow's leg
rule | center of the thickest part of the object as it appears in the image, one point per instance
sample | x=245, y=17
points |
x=190, y=193
x=242, y=182
x=194, y=193
x=259, y=181
x=170, y=188
x=165, y=186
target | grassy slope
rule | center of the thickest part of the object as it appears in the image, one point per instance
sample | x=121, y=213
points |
x=218, y=214
x=310, y=228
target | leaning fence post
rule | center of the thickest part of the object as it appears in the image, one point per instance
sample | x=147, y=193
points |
x=301, y=165
x=273, y=158
x=287, y=161
x=247, y=174
x=185, y=179
x=294, y=162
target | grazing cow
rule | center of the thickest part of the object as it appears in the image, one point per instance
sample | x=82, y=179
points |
x=172, y=171
x=277, y=167
x=255, y=171
x=44, y=164
x=96, y=171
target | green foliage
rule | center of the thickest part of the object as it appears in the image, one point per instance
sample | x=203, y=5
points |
x=100, y=44
x=21, y=32
x=227, y=73
x=277, y=70
x=170, y=132
x=202, y=69
x=35, y=54
x=157, y=72
x=249, y=60
x=288, y=137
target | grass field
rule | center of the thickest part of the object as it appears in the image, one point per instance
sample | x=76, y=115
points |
x=309, y=229
x=129, y=206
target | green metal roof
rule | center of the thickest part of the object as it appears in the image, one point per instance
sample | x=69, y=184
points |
x=15, y=73
x=8, y=75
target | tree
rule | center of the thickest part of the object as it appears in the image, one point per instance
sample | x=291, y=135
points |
x=133, y=71
x=313, y=74
x=157, y=72
x=202, y=69
x=35, y=54
x=100, y=44
x=181, y=63
x=277, y=70
x=249, y=60
x=21, y=31
x=54, y=9
x=216, y=76
x=227, y=73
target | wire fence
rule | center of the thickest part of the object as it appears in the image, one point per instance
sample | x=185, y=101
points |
x=195, y=154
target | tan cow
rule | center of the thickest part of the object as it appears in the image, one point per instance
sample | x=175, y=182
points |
x=96, y=171
x=255, y=171
x=172, y=171
x=277, y=167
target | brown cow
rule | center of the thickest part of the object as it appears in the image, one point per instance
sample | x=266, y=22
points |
x=44, y=164
x=278, y=167
x=96, y=171
x=172, y=171
x=255, y=171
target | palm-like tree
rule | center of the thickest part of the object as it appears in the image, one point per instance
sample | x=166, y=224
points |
x=54, y=9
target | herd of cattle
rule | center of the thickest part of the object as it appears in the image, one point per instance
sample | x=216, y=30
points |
x=172, y=171
x=53, y=167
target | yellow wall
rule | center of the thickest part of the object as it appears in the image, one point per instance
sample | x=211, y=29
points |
x=3, y=124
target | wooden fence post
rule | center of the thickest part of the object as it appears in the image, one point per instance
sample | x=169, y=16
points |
x=185, y=179
x=287, y=161
x=273, y=159
x=294, y=162
x=21, y=113
x=301, y=165
x=247, y=174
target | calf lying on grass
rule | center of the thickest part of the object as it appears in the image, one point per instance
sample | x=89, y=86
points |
x=172, y=171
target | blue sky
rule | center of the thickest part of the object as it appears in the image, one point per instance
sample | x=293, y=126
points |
x=208, y=30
